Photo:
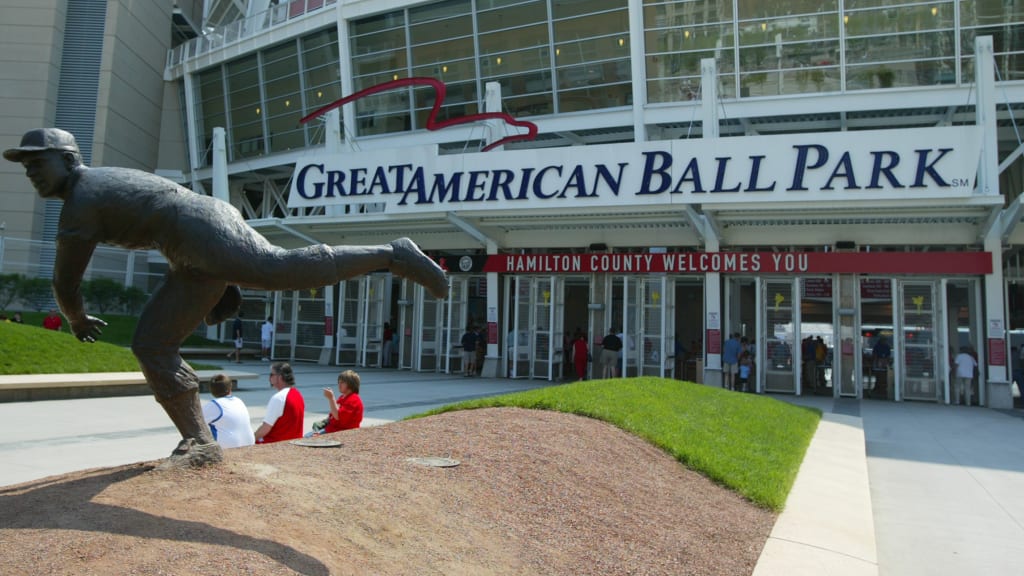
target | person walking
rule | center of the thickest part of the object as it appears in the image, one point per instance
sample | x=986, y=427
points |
x=267, y=337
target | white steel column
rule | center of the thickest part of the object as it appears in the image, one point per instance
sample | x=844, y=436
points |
x=491, y=369
x=332, y=145
x=996, y=348
x=220, y=165
x=712, y=280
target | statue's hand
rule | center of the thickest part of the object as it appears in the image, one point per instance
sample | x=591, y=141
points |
x=88, y=330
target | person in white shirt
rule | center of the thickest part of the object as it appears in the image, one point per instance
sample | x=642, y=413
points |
x=227, y=415
x=965, y=367
x=266, y=334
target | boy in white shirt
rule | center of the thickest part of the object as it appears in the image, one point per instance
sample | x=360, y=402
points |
x=227, y=415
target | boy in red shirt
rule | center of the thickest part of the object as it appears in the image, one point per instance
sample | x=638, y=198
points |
x=347, y=410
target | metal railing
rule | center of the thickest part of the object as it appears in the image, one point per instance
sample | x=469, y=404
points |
x=220, y=37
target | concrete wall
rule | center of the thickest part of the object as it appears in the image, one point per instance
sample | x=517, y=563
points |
x=31, y=39
x=131, y=88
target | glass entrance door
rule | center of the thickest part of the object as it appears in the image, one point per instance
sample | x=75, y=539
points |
x=456, y=322
x=534, y=345
x=656, y=327
x=374, y=295
x=920, y=342
x=404, y=330
x=778, y=335
x=428, y=330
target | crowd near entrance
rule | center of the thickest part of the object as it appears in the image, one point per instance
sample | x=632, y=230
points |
x=839, y=335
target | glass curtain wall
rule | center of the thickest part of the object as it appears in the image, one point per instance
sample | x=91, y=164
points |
x=775, y=48
x=562, y=56
x=549, y=56
x=260, y=98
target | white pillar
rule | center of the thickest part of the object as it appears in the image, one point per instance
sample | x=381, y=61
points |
x=996, y=346
x=492, y=362
x=220, y=166
x=327, y=352
x=713, y=320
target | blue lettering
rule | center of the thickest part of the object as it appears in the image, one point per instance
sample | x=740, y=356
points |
x=399, y=172
x=577, y=182
x=417, y=186
x=357, y=182
x=335, y=181
x=720, y=177
x=660, y=170
x=537, y=191
x=843, y=169
x=380, y=180
x=690, y=174
x=300, y=184
x=802, y=165
x=755, y=170
x=524, y=185
x=500, y=181
x=442, y=190
x=477, y=181
x=613, y=183
x=923, y=166
x=878, y=169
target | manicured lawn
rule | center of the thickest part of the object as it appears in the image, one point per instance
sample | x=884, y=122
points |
x=29, y=349
x=751, y=444
x=118, y=331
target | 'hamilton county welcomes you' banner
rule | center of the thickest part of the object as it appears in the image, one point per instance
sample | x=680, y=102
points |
x=923, y=163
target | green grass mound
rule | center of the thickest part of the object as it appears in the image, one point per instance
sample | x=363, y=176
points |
x=30, y=349
x=751, y=444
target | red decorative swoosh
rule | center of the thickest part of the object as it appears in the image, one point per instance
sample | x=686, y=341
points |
x=440, y=90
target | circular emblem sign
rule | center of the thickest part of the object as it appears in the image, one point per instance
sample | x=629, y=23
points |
x=466, y=263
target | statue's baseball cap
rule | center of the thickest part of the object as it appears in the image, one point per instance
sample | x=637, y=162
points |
x=42, y=139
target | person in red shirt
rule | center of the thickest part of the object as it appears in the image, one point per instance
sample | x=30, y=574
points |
x=52, y=321
x=347, y=411
x=286, y=410
x=580, y=355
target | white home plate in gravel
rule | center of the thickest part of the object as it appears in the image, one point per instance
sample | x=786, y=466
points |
x=435, y=461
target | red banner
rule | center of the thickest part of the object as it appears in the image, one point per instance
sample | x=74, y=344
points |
x=972, y=263
x=996, y=352
x=714, y=342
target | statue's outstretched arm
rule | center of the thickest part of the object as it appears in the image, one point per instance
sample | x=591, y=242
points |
x=72, y=259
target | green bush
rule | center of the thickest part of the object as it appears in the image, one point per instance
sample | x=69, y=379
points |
x=37, y=293
x=102, y=294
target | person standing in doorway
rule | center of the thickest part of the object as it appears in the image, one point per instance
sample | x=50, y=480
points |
x=966, y=366
x=580, y=355
x=266, y=336
x=468, y=341
x=610, y=347
x=730, y=361
x=386, y=346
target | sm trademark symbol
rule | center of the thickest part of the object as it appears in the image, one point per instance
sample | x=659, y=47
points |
x=960, y=182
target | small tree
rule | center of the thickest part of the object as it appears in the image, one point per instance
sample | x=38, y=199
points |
x=36, y=292
x=8, y=289
x=102, y=293
x=132, y=299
